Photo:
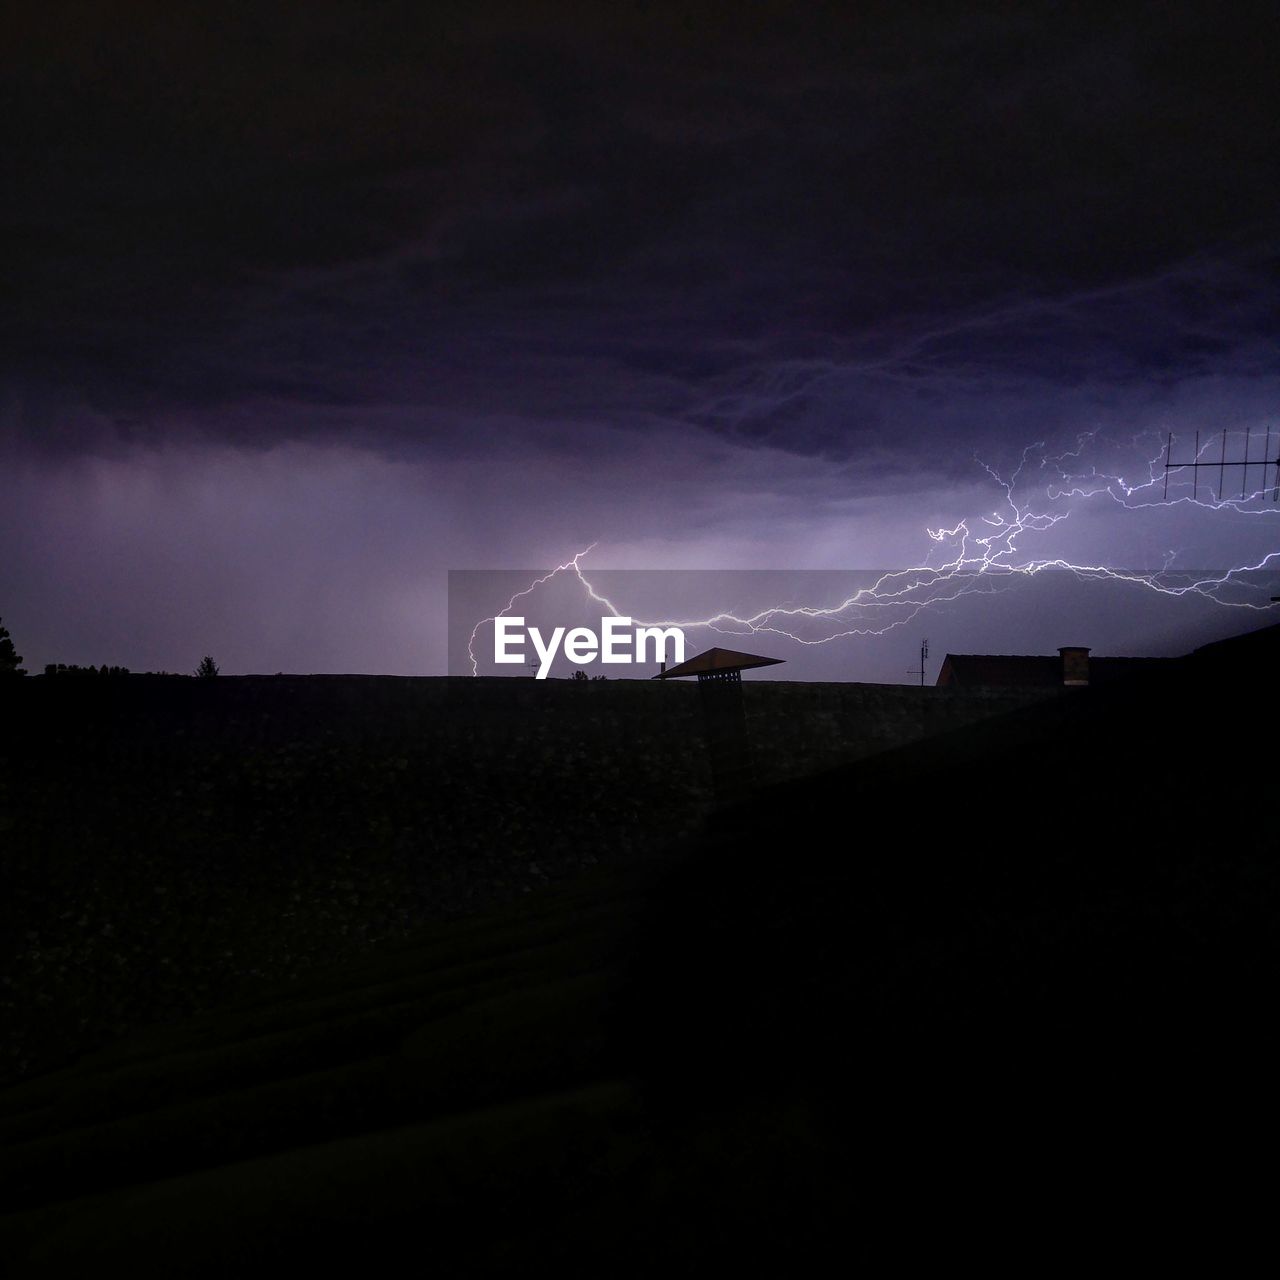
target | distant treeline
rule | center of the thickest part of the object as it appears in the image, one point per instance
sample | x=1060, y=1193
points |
x=74, y=669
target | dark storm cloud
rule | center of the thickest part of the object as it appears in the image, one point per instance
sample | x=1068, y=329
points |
x=788, y=225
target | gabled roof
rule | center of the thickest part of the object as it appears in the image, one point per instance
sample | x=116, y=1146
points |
x=996, y=670
x=1263, y=643
x=718, y=660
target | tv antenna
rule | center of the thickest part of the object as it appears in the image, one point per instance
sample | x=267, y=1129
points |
x=924, y=653
x=1222, y=464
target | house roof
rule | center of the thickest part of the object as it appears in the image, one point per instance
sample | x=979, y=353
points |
x=1263, y=643
x=718, y=660
x=1003, y=669
x=1034, y=670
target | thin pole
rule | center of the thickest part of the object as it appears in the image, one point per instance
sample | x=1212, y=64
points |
x=1168, y=450
x=924, y=653
x=1244, y=471
x=1222, y=468
x=1195, y=471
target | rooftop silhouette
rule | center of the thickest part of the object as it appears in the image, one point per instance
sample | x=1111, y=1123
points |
x=717, y=660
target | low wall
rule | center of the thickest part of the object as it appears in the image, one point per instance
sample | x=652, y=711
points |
x=168, y=842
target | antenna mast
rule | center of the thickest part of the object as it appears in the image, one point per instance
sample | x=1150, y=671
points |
x=924, y=653
x=1222, y=464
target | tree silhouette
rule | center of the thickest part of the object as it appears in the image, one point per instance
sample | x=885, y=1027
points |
x=76, y=670
x=207, y=668
x=10, y=658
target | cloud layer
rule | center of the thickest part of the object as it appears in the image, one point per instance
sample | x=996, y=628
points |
x=493, y=282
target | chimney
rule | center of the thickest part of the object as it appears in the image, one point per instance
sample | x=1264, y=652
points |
x=1075, y=665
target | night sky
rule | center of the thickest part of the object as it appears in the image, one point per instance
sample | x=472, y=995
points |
x=305, y=306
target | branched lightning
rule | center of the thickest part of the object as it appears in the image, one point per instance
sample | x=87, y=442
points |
x=986, y=557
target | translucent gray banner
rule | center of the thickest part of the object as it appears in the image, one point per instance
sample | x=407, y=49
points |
x=860, y=624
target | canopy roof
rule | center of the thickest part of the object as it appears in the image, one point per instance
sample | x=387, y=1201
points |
x=718, y=660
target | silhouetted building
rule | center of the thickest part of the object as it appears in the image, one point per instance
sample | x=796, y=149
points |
x=719, y=673
x=1240, y=659
x=716, y=664
x=1072, y=668
x=1250, y=656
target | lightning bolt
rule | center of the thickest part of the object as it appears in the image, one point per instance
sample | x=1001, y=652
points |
x=571, y=563
x=986, y=557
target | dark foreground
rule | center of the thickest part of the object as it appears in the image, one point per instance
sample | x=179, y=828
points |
x=1002, y=998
